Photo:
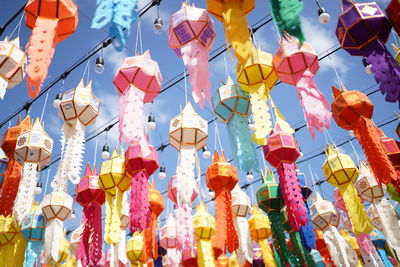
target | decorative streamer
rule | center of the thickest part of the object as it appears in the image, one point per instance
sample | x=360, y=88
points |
x=50, y=23
x=168, y=241
x=120, y=247
x=380, y=243
x=368, y=40
x=352, y=241
x=304, y=258
x=297, y=64
x=191, y=35
x=232, y=105
x=12, y=245
x=121, y=14
x=323, y=248
x=281, y=151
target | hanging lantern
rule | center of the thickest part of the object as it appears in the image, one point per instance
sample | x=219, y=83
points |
x=114, y=180
x=12, y=64
x=297, y=65
x=281, y=151
x=51, y=22
x=138, y=81
x=33, y=151
x=204, y=230
x=257, y=76
x=363, y=30
x=232, y=105
x=12, y=245
x=91, y=197
x=221, y=177
x=32, y=229
x=79, y=108
x=168, y=241
x=191, y=35
x=380, y=243
x=392, y=12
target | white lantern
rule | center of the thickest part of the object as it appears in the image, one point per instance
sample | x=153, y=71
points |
x=323, y=214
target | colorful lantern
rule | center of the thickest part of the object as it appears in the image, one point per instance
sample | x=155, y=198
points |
x=12, y=174
x=281, y=151
x=363, y=30
x=392, y=12
x=91, y=197
x=12, y=245
x=232, y=105
x=32, y=229
x=260, y=231
x=297, y=65
x=135, y=248
x=397, y=52
x=257, y=77
x=13, y=64
x=380, y=243
x=204, y=230
x=168, y=241
x=114, y=180
x=51, y=22
x=191, y=35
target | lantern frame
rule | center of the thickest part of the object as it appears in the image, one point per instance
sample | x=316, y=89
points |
x=57, y=205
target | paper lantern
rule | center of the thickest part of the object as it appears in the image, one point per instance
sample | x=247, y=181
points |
x=8, y=230
x=232, y=105
x=12, y=243
x=363, y=30
x=221, y=177
x=33, y=151
x=367, y=186
x=281, y=151
x=323, y=214
x=392, y=12
x=114, y=180
x=297, y=64
x=191, y=35
x=204, y=230
x=9, y=140
x=51, y=22
x=168, y=241
x=91, y=197
x=374, y=216
x=13, y=64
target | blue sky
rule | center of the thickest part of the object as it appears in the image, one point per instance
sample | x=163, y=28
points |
x=166, y=105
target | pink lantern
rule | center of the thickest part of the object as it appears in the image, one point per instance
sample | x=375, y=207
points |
x=191, y=35
x=168, y=241
x=296, y=65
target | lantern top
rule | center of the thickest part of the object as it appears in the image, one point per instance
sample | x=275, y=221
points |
x=201, y=216
x=220, y=174
x=11, y=135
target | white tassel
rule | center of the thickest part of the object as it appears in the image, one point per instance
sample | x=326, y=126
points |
x=122, y=248
x=185, y=175
x=245, y=250
x=341, y=252
x=74, y=151
x=52, y=238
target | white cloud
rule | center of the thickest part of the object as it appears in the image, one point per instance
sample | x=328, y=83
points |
x=113, y=58
x=218, y=68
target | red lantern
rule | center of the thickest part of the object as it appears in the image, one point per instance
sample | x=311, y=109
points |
x=393, y=14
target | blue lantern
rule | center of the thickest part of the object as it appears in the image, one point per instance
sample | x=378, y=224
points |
x=232, y=105
x=378, y=239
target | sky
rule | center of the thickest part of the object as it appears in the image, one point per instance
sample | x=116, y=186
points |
x=167, y=104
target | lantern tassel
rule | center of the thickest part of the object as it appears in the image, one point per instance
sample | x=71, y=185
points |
x=139, y=205
x=261, y=117
x=184, y=228
x=307, y=234
x=298, y=249
x=96, y=246
x=121, y=249
x=113, y=217
x=292, y=195
x=245, y=249
x=266, y=252
x=40, y=50
x=173, y=257
x=205, y=255
x=32, y=252
x=185, y=175
x=384, y=257
x=323, y=249
x=195, y=58
x=313, y=102
x=12, y=177
x=150, y=235
x=368, y=252
x=52, y=240
x=378, y=160
x=82, y=251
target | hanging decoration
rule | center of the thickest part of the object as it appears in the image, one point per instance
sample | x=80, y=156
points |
x=232, y=105
x=12, y=245
x=119, y=249
x=191, y=35
x=75, y=238
x=323, y=248
x=33, y=152
x=121, y=14
x=352, y=241
x=135, y=248
x=79, y=108
x=392, y=12
x=91, y=197
x=168, y=240
x=204, y=230
x=12, y=174
x=281, y=151
x=12, y=64
x=363, y=30
x=51, y=22
x=380, y=243
x=297, y=64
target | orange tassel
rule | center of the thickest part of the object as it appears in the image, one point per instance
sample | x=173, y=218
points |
x=323, y=249
x=12, y=177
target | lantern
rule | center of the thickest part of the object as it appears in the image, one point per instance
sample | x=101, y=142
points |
x=374, y=217
x=397, y=52
x=191, y=35
x=56, y=207
x=13, y=64
x=241, y=206
x=392, y=13
x=260, y=231
x=12, y=174
x=380, y=243
x=340, y=171
x=257, y=76
x=363, y=30
x=79, y=108
x=232, y=105
x=114, y=180
x=51, y=22
x=296, y=65
x=324, y=214
x=32, y=229
x=323, y=248
x=33, y=151
x=12, y=244
x=169, y=242
x=352, y=110
x=91, y=197
x=204, y=230
x=281, y=151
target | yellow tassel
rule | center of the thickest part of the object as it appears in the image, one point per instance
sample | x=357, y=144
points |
x=280, y=119
x=107, y=226
x=267, y=255
x=205, y=253
x=357, y=214
x=19, y=250
x=261, y=116
x=113, y=217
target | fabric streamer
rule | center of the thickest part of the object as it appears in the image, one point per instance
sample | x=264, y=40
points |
x=379, y=242
x=323, y=249
x=168, y=241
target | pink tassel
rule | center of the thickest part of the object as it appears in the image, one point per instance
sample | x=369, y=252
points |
x=96, y=245
x=365, y=243
x=184, y=228
x=139, y=204
x=82, y=251
x=314, y=103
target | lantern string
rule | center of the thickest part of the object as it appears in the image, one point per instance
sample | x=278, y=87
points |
x=139, y=37
x=251, y=194
x=47, y=182
x=326, y=134
x=336, y=72
x=9, y=124
x=217, y=137
x=86, y=70
x=355, y=151
x=184, y=78
x=312, y=177
x=18, y=26
x=95, y=152
x=226, y=67
x=44, y=106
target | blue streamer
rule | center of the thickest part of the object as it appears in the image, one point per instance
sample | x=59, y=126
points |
x=242, y=144
x=32, y=253
x=317, y=258
x=384, y=257
x=307, y=234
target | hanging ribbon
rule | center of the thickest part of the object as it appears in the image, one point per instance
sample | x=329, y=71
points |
x=323, y=249
x=379, y=242
x=113, y=217
x=12, y=177
x=184, y=228
x=139, y=204
x=307, y=234
x=185, y=174
x=32, y=253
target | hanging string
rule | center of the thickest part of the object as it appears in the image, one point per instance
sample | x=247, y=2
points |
x=184, y=78
x=251, y=194
x=18, y=26
x=326, y=134
x=47, y=182
x=9, y=124
x=352, y=146
x=44, y=106
x=336, y=72
x=95, y=152
x=217, y=138
x=226, y=67
x=139, y=37
x=86, y=70
x=314, y=185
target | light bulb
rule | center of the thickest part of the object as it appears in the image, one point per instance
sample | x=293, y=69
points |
x=250, y=177
x=57, y=101
x=151, y=122
x=158, y=25
x=206, y=153
x=251, y=127
x=324, y=16
x=105, y=154
x=211, y=194
x=162, y=175
x=38, y=190
x=99, y=67
x=72, y=217
x=301, y=155
x=368, y=67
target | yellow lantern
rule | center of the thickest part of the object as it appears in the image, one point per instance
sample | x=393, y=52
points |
x=135, y=248
x=260, y=231
x=340, y=171
x=204, y=230
x=374, y=216
x=12, y=244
